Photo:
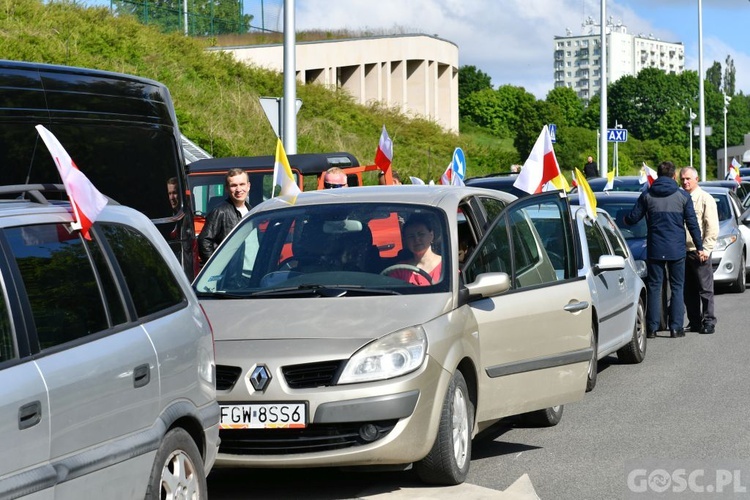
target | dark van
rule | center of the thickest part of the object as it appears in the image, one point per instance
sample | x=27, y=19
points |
x=120, y=130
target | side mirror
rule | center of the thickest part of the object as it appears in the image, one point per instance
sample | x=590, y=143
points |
x=489, y=284
x=609, y=263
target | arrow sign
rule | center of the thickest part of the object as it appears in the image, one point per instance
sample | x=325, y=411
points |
x=459, y=163
x=617, y=135
x=553, y=132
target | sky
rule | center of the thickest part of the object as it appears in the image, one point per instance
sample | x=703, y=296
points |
x=512, y=41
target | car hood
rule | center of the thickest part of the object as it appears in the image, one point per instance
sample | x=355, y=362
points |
x=364, y=318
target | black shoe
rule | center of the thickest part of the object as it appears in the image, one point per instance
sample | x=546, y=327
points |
x=650, y=335
x=708, y=329
x=680, y=332
x=694, y=327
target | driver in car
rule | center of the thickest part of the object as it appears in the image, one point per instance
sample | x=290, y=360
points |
x=425, y=266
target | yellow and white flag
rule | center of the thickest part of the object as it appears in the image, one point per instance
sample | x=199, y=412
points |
x=610, y=181
x=282, y=174
x=586, y=196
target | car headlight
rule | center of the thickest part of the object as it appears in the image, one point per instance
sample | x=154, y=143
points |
x=723, y=242
x=391, y=356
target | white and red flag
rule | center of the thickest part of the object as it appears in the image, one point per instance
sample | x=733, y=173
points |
x=86, y=200
x=384, y=154
x=541, y=166
x=734, y=171
x=648, y=174
x=450, y=177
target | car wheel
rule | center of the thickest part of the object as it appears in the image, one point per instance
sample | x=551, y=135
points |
x=594, y=363
x=178, y=469
x=448, y=461
x=548, y=417
x=635, y=350
x=739, y=285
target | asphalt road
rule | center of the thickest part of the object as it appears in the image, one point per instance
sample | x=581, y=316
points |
x=677, y=421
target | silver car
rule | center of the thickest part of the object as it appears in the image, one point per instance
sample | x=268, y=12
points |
x=337, y=346
x=730, y=255
x=618, y=292
x=107, y=385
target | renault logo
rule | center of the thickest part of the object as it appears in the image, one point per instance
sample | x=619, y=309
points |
x=260, y=378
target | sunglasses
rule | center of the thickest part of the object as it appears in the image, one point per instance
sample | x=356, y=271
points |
x=328, y=185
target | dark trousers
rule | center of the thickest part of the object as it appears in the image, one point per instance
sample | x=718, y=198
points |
x=699, y=291
x=656, y=270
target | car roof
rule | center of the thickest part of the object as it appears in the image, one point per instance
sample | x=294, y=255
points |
x=445, y=196
x=306, y=163
x=614, y=196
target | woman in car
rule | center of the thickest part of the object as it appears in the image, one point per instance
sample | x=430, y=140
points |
x=425, y=266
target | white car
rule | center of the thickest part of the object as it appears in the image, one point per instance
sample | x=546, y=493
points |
x=617, y=290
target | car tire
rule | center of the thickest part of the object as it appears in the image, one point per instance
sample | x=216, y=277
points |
x=739, y=285
x=178, y=469
x=548, y=417
x=635, y=350
x=594, y=363
x=448, y=461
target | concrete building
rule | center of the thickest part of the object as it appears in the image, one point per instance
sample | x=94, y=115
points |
x=417, y=74
x=577, y=59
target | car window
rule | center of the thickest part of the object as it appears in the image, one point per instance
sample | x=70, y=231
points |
x=531, y=241
x=722, y=206
x=150, y=281
x=613, y=236
x=7, y=347
x=595, y=241
x=61, y=285
x=492, y=207
x=618, y=211
x=354, y=246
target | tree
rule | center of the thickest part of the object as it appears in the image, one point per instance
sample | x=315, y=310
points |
x=568, y=104
x=713, y=75
x=730, y=77
x=471, y=80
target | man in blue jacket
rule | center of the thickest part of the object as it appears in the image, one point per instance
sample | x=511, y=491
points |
x=668, y=210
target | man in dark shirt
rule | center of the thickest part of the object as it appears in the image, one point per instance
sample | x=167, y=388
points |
x=222, y=219
x=590, y=170
x=668, y=210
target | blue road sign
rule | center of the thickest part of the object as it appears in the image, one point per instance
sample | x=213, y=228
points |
x=553, y=132
x=459, y=163
x=617, y=135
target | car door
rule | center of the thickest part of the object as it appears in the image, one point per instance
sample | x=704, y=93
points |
x=99, y=368
x=24, y=415
x=535, y=339
x=737, y=211
x=611, y=291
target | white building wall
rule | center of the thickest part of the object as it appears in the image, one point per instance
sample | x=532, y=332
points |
x=577, y=59
x=418, y=74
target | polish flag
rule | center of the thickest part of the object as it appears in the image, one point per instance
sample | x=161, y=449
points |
x=541, y=166
x=648, y=174
x=450, y=178
x=734, y=171
x=573, y=182
x=384, y=154
x=86, y=200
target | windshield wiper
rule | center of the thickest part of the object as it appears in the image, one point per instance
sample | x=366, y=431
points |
x=317, y=290
x=221, y=295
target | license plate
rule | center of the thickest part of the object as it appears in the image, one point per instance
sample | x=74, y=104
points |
x=264, y=416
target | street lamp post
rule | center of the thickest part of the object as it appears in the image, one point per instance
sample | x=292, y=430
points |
x=726, y=105
x=692, y=116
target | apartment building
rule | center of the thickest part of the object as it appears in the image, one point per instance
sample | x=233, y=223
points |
x=577, y=58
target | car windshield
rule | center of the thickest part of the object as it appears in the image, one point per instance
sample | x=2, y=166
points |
x=618, y=211
x=336, y=250
x=722, y=206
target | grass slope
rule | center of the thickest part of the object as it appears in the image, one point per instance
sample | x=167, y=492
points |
x=216, y=98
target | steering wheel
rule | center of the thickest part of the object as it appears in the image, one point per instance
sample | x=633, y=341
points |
x=407, y=267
